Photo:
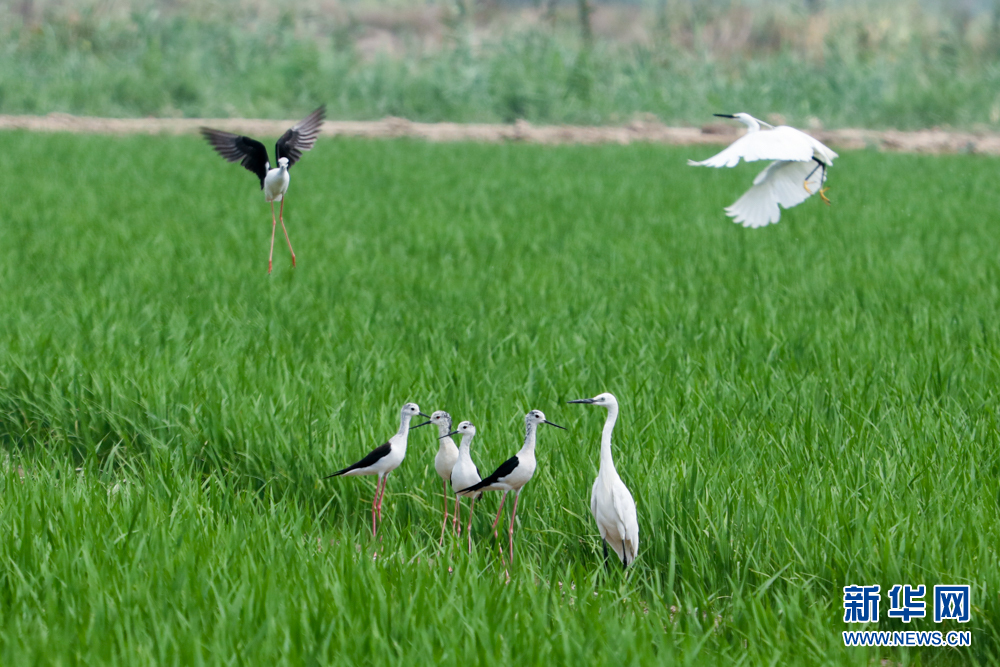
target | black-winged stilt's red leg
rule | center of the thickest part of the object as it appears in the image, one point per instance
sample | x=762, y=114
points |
x=469, y=529
x=456, y=522
x=496, y=520
x=517, y=494
x=281, y=210
x=274, y=224
x=375, y=504
x=444, y=524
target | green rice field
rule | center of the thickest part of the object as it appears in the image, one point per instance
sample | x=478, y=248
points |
x=804, y=407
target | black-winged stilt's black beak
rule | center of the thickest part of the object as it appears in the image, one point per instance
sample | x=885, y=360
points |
x=423, y=415
x=582, y=400
x=448, y=435
x=419, y=425
x=724, y=115
x=546, y=421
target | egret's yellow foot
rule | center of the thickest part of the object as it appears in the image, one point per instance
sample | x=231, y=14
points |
x=805, y=184
x=822, y=195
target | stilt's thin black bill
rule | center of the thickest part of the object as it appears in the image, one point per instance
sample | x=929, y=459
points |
x=419, y=425
x=448, y=435
x=582, y=400
x=551, y=424
x=423, y=415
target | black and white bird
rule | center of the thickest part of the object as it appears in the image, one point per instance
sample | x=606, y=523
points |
x=515, y=472
x=798, y=170
x=444, y=461
x=465, y=474
x=274, y=182
x=383, y=460
x=610, y=501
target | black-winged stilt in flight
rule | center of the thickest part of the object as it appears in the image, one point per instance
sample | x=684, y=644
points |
x=251, y=154
x=444, y=460
x=610, y=500
x=383, y=460
x=515, y=472
x=465, y=474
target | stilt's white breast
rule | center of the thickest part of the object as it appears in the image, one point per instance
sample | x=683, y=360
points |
x=276, y=184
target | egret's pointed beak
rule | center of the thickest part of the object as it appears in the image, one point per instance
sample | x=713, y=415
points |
x=582, y=400
x=448, y=435
x=546, y=421
x=419, y=425
x=724, y=115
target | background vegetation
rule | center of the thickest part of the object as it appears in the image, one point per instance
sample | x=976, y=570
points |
x=804, y=407
x=905, y=64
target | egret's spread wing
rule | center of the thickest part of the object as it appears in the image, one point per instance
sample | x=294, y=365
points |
x=782, y=184
x=236, y=148
x=300, y=138
x=781, y=143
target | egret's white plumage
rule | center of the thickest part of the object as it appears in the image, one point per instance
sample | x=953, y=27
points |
x=384, y=459
x=515, y=472
x=444, y=461
x=465, y=473
x=798, y=170
x=610, y=501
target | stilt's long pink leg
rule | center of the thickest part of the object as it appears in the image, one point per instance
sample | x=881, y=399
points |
x=375, y=504
x=381, y=495
x=517, y=494
x=493, y=527
x=469, y=529
x=444, y=524
x=281, y=210
x=274, y=224
x=456, y=522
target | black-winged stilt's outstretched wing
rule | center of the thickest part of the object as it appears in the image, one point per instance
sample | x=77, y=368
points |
x=505, y=469
x=373, y=457
x=236, y=148
x=300, y=138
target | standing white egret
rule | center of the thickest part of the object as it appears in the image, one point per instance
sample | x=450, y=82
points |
x=515, y=472
x=444, y=461
x=798, y=170
x=383, y=460
x=465, y=474
x=610, y=500
x=253, y=156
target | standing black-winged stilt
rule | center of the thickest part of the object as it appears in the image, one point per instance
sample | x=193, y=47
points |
x=383, y=460
x=465, y=473
x=515, y=472
x=610, y=500
x=444, y=460
x=252, y=155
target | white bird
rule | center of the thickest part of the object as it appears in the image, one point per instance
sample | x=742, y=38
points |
x=788, y=181
x=515, y=472
x=465, y=473
x=383, y=460
x=610, y=500
x=444, y=461
x=253, y=156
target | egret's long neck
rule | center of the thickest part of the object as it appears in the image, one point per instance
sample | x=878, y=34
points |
x=466, y=444
x=609, y=426
x=753, y=125
x=529, y=439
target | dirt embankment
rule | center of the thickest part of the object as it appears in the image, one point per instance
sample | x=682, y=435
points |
x=922, y=141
